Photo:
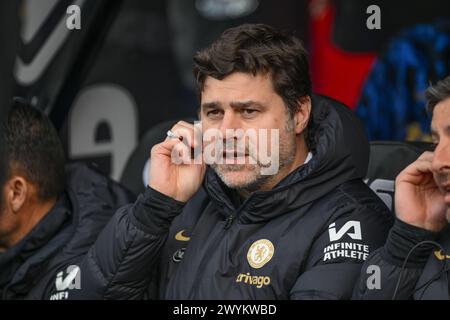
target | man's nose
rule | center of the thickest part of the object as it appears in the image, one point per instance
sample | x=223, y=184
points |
x=229, y=122
x=441, y=158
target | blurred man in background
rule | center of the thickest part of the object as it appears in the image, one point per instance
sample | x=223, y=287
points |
x=413, y=262
x=50, y=215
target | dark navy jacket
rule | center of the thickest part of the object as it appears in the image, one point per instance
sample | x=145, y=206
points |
x=304, y=239
x=45, y=264
x=405, y=272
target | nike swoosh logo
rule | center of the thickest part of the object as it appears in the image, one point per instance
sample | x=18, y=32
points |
x=27, y=74
x=438, y=254
x=179, y=236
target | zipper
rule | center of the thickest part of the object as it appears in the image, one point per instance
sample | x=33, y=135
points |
x=228, y=222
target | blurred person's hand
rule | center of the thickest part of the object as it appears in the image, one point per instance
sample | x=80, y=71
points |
x=172, y=168
x=418, y=199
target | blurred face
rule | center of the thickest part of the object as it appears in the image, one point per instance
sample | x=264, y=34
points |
x=242, y=103
x=440, y=130
x=21, y=210
x=2, y=201
x=8, y=221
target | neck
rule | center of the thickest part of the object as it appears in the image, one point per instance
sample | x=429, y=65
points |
x=28, y=217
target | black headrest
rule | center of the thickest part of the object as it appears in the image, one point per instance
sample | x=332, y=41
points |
x=387, y=160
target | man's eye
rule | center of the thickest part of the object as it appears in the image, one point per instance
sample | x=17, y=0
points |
x=249, y=112
x=434, y=139
x=213, y=113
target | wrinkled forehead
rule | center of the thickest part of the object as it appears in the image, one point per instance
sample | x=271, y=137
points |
x=238, y=86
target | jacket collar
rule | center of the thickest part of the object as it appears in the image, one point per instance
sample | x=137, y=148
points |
x=23, y=262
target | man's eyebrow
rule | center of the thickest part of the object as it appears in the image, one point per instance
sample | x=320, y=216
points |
x=210, y=105
x=434, y=132
x=247, y=104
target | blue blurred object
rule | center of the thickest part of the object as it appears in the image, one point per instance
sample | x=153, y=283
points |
x=392, y=104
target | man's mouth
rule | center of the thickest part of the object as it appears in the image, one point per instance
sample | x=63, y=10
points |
x=234, y=154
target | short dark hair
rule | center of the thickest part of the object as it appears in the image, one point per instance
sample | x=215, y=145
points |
x=260, y=49
x=437, y=93
x=34, y=150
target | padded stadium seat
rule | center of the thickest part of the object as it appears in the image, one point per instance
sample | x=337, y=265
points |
x=387, y=160
x=134, y=175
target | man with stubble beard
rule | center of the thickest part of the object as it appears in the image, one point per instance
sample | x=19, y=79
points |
x=413, y=264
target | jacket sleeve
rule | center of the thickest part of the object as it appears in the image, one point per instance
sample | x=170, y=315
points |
x=382, y=270
x=335, y=258
x=120, y=263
